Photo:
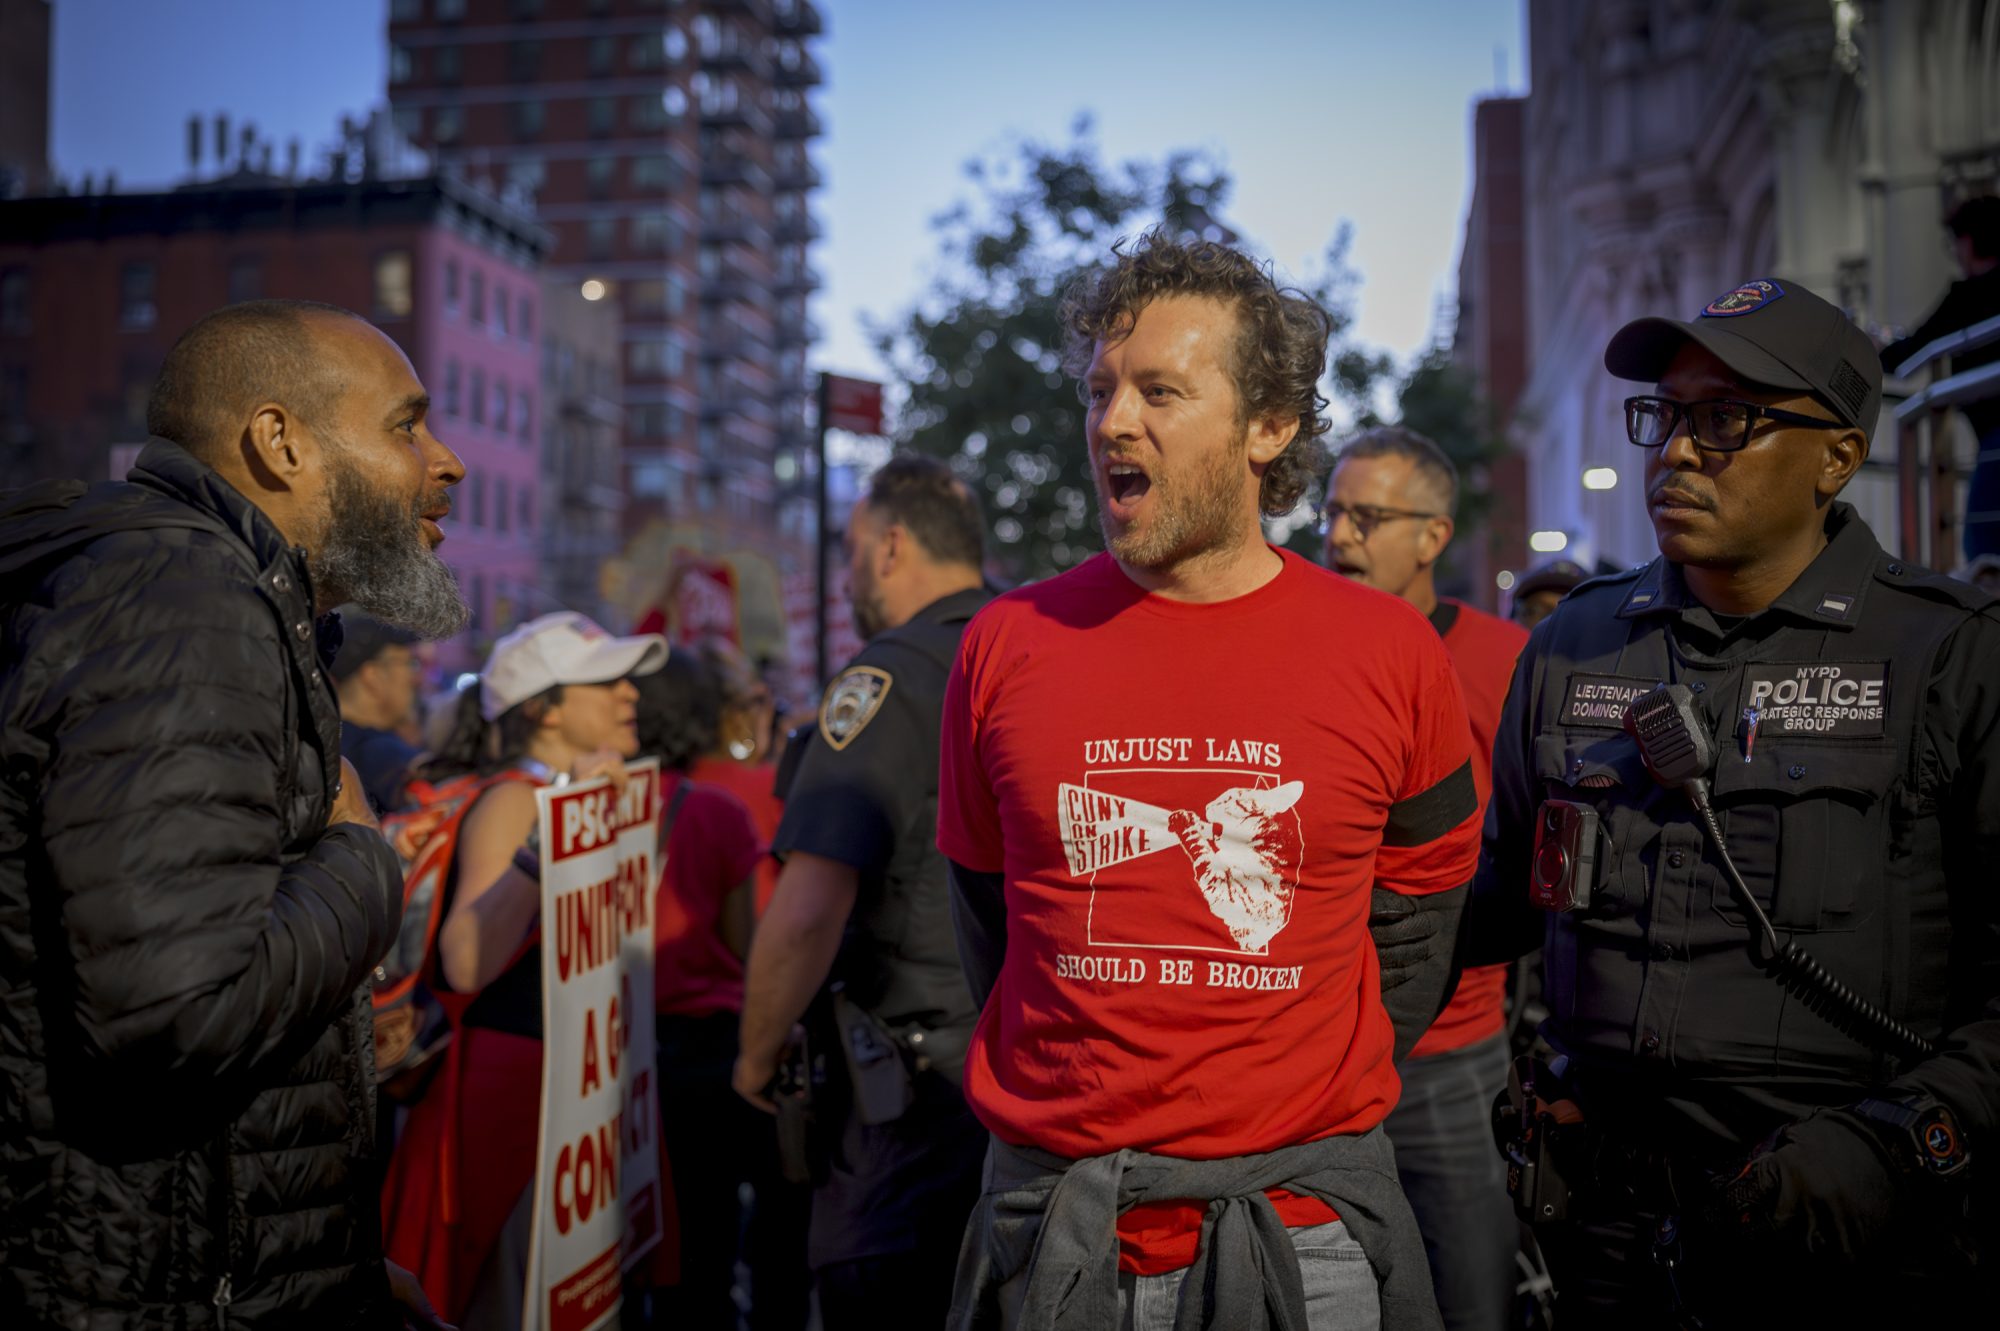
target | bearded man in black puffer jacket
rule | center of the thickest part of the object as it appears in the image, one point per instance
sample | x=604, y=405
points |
x=192, y=890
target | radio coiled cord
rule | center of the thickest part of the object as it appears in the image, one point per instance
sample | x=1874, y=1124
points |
x=1802, y=974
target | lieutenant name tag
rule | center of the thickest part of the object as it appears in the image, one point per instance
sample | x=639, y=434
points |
x=1848, y=700
x=1601, y=700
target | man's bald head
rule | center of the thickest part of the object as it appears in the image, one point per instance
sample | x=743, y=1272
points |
x=237, y=358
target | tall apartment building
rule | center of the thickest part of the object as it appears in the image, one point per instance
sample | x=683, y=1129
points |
x=665, y=144
x=94, y=289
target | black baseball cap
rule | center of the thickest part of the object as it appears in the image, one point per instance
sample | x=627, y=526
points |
x=1773, y=332
x=1558, y=575
x=363, y=638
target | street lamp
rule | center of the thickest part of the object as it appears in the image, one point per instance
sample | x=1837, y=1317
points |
x=1600, y=478
x=1548, y=542
x=1504, y=580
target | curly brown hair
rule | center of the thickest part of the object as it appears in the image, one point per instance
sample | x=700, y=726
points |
x=1280, y=349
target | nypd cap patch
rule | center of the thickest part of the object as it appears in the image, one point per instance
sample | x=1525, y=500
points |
x=1745, y=299
x=850, y=703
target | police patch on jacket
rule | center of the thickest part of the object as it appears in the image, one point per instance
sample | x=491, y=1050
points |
x=1601, y=700
x=851, y=702
x=1843, y=700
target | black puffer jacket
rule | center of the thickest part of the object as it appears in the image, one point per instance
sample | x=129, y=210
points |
x=186, y=1065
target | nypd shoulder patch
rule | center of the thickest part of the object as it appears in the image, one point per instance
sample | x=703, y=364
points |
x=850, y=703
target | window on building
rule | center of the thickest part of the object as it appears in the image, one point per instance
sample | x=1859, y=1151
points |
x=409, y=121
x=655, y=359
x=476, y=491
x=524, y=8
x=648, y=112
x=524, y=416
x=478, y=397
x=525, y=324
x=14, y=300
x=652, y=233
x=454, y=403
x=603, y=115
x=478, y=297
x=598, y=173
x=525, y=176
x=503, y=307
x=650, y=478
x=502, y=513
x=135, y=296
x=598, y=235
x=448, y=64
x=603, y=53
x=393, y=299
x=476, y=602
x=646, y=296
x=677, y=290
x=653, y=173
x=401, y=64
x=524, y=61
x=529, y=118
x=526, y=512
x=246, y=278
x=451, y=288
x=503, y=419
x=447, y=124
x=448, y=10
x=648, y=52
x=676, y=43
x=405, y=11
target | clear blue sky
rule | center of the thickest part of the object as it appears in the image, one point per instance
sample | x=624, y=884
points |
x=1322, y=109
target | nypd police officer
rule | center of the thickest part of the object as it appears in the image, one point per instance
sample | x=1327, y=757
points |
x=1718, y=1136
x=860, y=931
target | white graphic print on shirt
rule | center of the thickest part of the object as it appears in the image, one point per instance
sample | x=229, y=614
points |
x=1238, y=830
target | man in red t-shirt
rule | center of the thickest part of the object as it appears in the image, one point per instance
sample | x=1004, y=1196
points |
x=1176, y=784
x=1388, y=517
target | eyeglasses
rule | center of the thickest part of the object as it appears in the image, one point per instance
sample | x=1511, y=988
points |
x=1718, y=425
x=1365, y=517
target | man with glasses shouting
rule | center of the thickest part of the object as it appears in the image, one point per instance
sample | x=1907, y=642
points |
x=1772, y=1065
x=1388, y=517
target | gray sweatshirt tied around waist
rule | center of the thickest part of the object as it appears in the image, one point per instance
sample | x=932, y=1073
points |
x=1058, y=1219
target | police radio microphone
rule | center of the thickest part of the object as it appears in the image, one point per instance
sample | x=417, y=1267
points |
x=1679, y=752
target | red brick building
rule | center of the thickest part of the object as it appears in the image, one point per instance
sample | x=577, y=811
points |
x=95, y=288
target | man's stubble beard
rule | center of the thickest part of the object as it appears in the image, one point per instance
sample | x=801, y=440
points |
x=1196, y=516
x=372, y=553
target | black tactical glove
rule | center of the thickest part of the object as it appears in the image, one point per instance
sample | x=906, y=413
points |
x=1827, y=1185
x=1408, y=935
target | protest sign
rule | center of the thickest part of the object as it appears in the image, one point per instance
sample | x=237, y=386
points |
x=597, y=1172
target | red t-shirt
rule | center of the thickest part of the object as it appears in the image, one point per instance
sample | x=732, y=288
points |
x=751, y=783
x=1189, y=805
x=712, y=848
x=1483, y=648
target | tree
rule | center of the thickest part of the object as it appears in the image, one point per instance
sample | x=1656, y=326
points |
x=980, y=359
x=1441, y=400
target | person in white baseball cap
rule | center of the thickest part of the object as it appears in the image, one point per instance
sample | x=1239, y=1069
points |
x=554, y=703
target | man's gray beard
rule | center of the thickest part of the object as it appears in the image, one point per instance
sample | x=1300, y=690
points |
x=1201, y=519
x=373, y=554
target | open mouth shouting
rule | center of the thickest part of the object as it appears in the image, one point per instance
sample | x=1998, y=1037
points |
x=1126, y=486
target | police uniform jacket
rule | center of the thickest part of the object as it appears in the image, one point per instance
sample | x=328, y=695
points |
x=865, y=795
x=1864, y=814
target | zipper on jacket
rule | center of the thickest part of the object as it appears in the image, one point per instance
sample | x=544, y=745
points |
x=223, y=1297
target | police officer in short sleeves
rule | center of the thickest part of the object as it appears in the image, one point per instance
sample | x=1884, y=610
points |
x=860, y=929
x=1742, y=1159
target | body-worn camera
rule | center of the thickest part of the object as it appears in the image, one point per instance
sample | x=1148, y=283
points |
x=1565, y=862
